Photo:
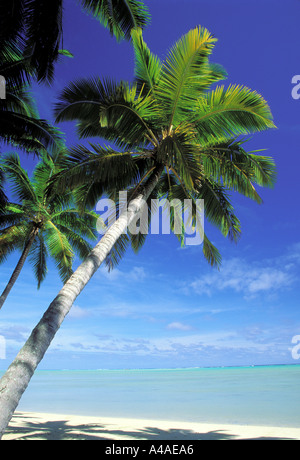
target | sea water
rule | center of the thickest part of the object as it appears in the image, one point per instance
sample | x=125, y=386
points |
x=268, y=395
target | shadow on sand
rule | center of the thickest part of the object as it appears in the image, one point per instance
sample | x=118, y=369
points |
x=62, y=430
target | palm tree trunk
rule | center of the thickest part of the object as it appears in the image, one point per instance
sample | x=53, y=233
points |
x=14, y=383
x=19, y=267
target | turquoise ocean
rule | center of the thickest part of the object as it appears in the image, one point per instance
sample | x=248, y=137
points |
x=263, y=395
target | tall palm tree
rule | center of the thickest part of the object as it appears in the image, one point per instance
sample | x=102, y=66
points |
x=36, y=27
x=40, y=225
x=177, y=139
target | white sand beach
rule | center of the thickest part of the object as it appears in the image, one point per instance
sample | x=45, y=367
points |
x=37, y=426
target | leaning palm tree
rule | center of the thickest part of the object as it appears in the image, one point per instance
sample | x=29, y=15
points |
x=177, y=137
x=36, y=27
x=39, y=225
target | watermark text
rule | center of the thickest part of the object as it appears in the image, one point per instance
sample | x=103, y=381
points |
x=296, y=348
x=161, y=217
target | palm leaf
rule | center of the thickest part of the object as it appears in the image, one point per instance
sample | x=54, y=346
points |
x=119, y=16
x=211, y=253
x=231, y=112
x=60, y=250
x=38, y=258
x=229, y=164
x=107, y=109
x=43, y=35
x=13, y=214
x=186, y=74
x=218, y=209
x=84, y=224
x=20, y=183
x=147, y=65
x=12, y=238
x=104, y=166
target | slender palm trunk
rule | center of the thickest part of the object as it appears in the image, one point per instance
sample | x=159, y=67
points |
x=17, y=378
x=18, y=268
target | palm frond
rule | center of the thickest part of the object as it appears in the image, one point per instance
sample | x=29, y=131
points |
x=229, y=164
x=78, y=244
x=104, y=166
x=13, y=214
x=231, y=112
x=43, y=35
x=147, y=65
x=120, y=16
x=218, y=209
x=38, y=258
x=186, y=74
x=28, y=133
x=20, y=183
x=108, y=109
x=211, y=253
x=60, y=250
x=11, y=26
x=12, y=238
x=85, y=224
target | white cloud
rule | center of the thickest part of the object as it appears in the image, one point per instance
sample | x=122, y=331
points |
x=135, y=274
x=179, y=326
x=249, y=279
x=78, y=313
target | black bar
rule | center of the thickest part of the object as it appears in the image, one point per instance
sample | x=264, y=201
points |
x=150, y=449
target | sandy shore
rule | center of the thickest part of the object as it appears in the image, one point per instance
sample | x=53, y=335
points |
x=34, y=426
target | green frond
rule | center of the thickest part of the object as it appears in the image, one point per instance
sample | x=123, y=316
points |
x=43, y=35
x=13, y=238
x=28, y=133
x=107, y=109
x=85, y=224
x=119, y=17
x=186, y=74
x=104, y=166
x=21, y=185
x=218, y=209
x=116, y=254
x=147, y=65
x=13, y=214
x=264, y=170
x=229, y=164
x=231, y=112
x=211, y=253
x=78, y=244
x=38, y=259
x=60, y=250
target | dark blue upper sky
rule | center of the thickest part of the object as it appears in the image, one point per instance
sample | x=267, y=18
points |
x=166, y=307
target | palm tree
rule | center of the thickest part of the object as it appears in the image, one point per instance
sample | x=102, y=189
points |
x=35, y=27
x=177, y=138
x=40, y=225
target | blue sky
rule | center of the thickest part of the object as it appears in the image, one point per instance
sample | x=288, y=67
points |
x=166, y=307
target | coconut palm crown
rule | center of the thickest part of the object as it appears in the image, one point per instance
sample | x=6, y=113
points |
x=41, y=226
x=171, y=117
